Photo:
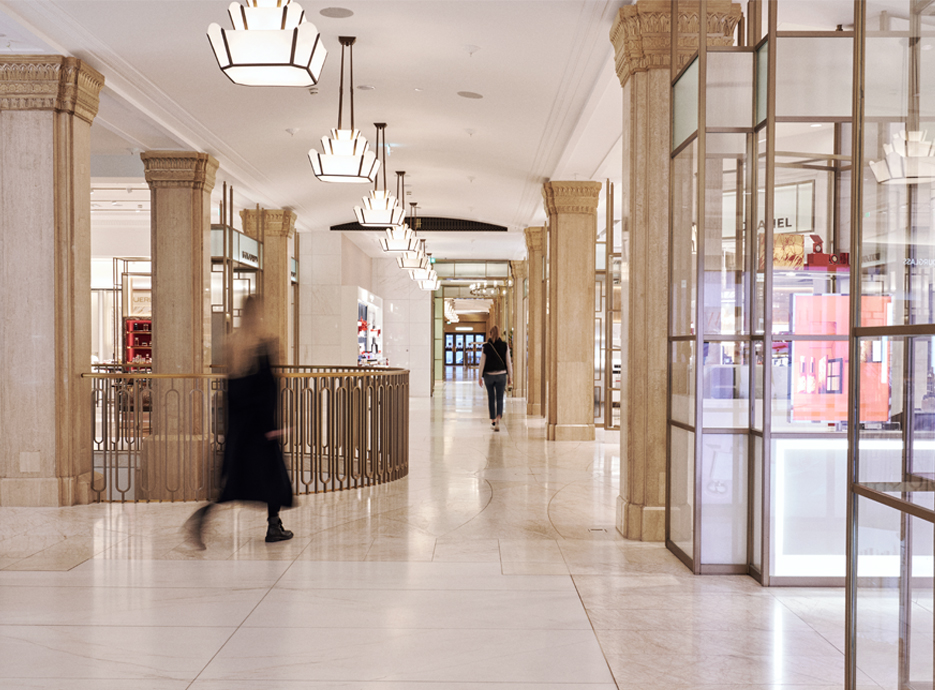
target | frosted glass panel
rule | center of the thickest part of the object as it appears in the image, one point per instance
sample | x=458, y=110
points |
x=724, y=499
x=762, y=83
x=729, y=95
x=685, y=94
x=814, y=77
x=682, y=489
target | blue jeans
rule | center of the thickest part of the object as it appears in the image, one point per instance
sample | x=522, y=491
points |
x=496, y=384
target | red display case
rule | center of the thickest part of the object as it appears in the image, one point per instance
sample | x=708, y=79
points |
x=138, y=344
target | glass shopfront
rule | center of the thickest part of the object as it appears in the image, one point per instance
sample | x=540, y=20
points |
x=802, y=317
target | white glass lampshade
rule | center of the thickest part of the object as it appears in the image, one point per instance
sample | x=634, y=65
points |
x=399, y=239
x=269, y=45
x=429, y=285
x=346, y=157
x=379, y=210
x=909, y=160
x=420, y=274
x=414, y=260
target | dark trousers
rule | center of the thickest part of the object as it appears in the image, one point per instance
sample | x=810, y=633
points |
x=496, y=384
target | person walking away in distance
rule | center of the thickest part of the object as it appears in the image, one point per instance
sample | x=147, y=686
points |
x=253, y=468
x=496, y=373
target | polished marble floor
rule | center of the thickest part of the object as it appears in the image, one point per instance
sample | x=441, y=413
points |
x=495, y=564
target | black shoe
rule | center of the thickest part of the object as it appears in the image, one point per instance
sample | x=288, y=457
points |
x=276, y=532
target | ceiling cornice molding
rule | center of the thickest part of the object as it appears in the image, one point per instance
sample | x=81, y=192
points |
x=129, y=84
x=582, y=70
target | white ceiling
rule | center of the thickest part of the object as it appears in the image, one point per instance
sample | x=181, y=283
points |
x=550, y=108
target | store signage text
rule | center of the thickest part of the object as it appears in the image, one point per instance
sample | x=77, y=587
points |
x=920, y=262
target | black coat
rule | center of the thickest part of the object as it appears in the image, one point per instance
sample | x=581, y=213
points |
x=254, y=469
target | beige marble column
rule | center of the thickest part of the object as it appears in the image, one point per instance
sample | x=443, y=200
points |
x=180, y=184
x=640, y=35
x=175, y=454
x=519, y=329
x=572, y=211
x=275, y=229
x=47, y=104
x=535, y=325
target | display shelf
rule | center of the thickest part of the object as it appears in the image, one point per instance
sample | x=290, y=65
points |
x=138, y=344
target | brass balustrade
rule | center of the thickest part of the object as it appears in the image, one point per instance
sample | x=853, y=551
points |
x=161, y=436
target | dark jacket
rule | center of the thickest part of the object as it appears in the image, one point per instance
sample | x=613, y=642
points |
x=496, y=356
x=253, y=468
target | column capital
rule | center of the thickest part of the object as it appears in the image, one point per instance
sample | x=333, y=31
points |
x=277, y=221
x=50, y=82
x=535, y=239
x=519, y=270
x=571, y=197
x=641, y=32
x=179, y=169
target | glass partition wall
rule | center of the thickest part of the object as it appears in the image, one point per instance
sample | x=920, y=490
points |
x=891, y=511
x=759, y=303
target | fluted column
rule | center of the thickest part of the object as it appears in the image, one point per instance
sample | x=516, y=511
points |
x=519, y=329
x=572, y=211
x=275, y=229
x=535, y=326
x=180, y=184
x=47, y=104
x=641, y=39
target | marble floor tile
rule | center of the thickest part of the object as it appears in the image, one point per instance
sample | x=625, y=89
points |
x=441, y=656
x=495, y=564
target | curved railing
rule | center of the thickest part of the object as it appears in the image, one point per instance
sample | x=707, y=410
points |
x=161, y=436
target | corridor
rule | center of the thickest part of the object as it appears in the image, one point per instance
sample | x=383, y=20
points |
x=495, y=564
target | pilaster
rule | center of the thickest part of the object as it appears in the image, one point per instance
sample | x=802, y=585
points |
x=47, y=104
x=572, y=211
x=519, y=329
x=535, y=326
x=180, y=185
x=275, y=228
x=641, y=39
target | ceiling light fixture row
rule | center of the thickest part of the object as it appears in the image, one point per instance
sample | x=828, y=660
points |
x=272, y=44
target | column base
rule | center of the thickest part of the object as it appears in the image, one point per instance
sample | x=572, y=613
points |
x=533, y=409
x=640, y=523
x=570, y=432
x=45, y=492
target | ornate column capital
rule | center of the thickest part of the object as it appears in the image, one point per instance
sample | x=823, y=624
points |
x=641, y=33
x=571, y=197
x=279, y=222
x=179, y=169
x=535, y=239
x=519, y=270
x=50, y=82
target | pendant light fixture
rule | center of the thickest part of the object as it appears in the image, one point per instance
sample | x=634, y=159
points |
x=909, y=159
x=346, y=154
x=416, y=259
x=271, y=44
x=430, y=285
x=381, y=209
x=400, y=238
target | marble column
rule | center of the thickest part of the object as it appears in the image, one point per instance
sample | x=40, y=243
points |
x=641, y=39
x=276, y=230
x=519, y=330
x=180, y=184
x=47, y=105
x=535, y=326
x=178, y=451
x=572, y=211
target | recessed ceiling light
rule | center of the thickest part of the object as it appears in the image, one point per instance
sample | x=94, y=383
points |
x=418, y=89
x=469, y=94
x=365, y=87
x=336, y=13
x=816, y=125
